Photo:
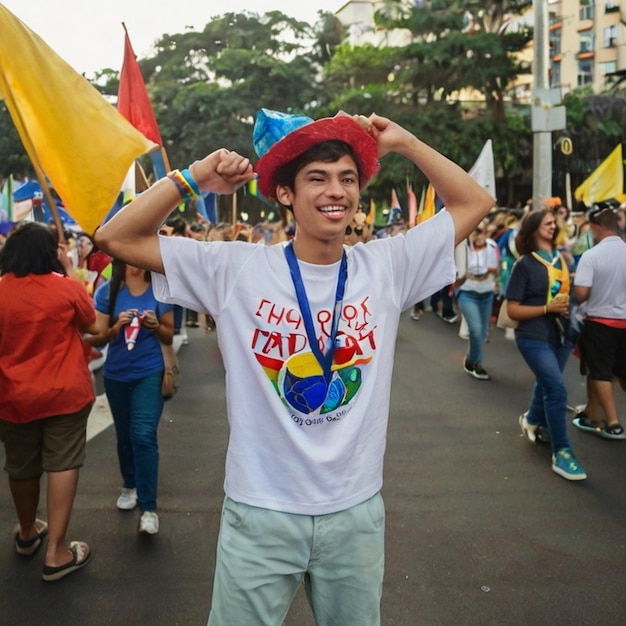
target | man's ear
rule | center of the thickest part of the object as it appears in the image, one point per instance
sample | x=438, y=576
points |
x=284, y=195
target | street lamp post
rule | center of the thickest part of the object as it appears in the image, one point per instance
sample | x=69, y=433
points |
x=547, y=113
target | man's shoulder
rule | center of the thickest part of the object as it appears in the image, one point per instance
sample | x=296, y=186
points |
x=604, y=250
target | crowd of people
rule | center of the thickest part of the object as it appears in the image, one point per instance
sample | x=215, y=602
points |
x=325, y=401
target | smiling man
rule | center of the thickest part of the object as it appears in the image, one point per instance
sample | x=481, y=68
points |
x=307, y=331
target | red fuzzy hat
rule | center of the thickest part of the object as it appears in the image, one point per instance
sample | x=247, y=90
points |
x=280, y=138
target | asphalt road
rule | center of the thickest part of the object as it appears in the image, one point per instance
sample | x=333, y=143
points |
x=480, y=531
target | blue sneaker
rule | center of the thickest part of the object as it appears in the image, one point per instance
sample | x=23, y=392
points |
x=565, y=464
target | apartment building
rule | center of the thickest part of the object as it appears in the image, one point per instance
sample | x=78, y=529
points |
x=587, y=40
x=587, y=43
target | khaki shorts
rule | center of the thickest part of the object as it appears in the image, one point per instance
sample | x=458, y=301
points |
x=52, y=444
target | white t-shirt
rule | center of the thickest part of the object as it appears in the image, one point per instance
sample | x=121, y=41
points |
x=603, y=268
x=477, y=262
x=297, y=445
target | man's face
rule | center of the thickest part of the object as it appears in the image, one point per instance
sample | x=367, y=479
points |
x=325, y=198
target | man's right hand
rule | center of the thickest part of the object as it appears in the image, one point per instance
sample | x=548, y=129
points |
x=222, y=171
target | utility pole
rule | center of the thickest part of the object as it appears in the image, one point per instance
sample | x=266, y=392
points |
x=547, y=113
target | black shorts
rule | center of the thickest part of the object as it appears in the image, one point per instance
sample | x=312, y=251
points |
x=602, y=351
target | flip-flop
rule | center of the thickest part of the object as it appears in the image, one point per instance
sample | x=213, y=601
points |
x=80, y=557
x=28, y=547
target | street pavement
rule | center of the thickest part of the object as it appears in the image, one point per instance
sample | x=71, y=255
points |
x=480, y=531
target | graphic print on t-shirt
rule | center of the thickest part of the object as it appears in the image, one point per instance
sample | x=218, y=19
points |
x=281, y=347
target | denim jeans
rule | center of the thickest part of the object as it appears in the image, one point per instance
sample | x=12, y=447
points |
x=476, y=308
x=447, y=308
x=136, y=407
x=548, y=404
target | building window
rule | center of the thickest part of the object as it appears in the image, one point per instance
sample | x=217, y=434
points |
x=586, y=10
x=611, y=7
x=555, y=42
x=586, y=42
x=555, y=74
x=609, y=36
x=608, y=68
x=585, y=72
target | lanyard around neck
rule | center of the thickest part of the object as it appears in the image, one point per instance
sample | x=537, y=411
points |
x=324, y=359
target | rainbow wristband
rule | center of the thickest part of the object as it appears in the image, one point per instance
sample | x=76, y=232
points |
x=186, y=185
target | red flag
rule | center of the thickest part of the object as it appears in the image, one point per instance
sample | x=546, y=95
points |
x=132, y=97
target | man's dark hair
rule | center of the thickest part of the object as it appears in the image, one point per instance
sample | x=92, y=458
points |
x=604, y=217
x=30, y=249
x=328, y=151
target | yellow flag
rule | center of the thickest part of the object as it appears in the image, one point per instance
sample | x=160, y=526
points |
x=428, y=209
x=70, y=132
x=605, y=182
x=371, y=215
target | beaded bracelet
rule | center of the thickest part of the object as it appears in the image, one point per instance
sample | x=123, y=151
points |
x=186, y=185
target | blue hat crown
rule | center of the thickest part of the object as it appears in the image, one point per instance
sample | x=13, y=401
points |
x=272, y=126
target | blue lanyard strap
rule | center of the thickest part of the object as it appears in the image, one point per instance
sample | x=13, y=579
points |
x=325, y=360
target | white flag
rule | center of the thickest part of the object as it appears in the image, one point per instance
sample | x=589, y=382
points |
x=483, y=171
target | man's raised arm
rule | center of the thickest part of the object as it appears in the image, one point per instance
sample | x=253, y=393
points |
x=465, y=200
x=132, y=234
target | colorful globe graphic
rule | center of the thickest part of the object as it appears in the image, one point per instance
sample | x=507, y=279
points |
x=301, y=383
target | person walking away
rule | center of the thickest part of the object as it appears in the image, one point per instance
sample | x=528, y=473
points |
x=308, y=329
x=132, y=373
x=600, y=283
x=47, y=393
x=538, y=298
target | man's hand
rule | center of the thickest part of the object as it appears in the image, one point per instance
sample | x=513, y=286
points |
x=390, y=136
x=222, y=171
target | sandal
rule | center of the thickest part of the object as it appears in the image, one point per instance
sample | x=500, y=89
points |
x=80, y=557
x=28, y=547
x=614, y=431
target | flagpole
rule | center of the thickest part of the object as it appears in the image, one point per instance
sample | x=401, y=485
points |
x=234, y=216
x=52, y=205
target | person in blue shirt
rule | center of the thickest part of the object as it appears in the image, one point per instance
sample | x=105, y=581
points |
x=135, y=325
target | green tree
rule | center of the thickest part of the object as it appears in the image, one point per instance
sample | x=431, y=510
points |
x=596, y=123
x=13, y=157
x=452, y=50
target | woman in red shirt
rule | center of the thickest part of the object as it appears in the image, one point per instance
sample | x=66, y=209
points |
x=47, y=391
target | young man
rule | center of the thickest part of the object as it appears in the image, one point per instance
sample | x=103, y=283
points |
x=600, y=283
x=308, y=329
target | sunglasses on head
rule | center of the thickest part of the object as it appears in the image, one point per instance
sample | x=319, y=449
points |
x=595, y=213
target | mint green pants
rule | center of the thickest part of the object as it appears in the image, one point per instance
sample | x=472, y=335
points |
x=264, y=556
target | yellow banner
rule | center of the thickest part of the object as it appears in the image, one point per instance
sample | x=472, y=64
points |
x=70, y=132
x=428, y=208
x=605, y=182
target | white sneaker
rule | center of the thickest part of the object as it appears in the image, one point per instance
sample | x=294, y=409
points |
x=127, y=500
x=530, y=432
x=149, y=523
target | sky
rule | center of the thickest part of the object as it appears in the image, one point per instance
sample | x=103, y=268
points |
x=89, y=35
